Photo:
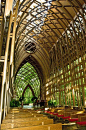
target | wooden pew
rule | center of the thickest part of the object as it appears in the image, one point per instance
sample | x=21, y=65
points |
x=41, y=127
x=82, y=122
x=83, y=118
x=76, y=115
x=22, y=112
x=26, y=124
x=23, y=116
x=23, y=119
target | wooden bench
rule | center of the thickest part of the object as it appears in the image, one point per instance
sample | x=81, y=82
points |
x=23, y=119
x=28, y=120
x=75, y=116
x=26, y=124
x=42, y=127
x=23, y=116
x=21, y=110
x=68, y=114
x=82, y=120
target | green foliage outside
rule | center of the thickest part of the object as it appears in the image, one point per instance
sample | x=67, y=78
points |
x=21, y=99
x=14, y=103
x=34, y=99
x=27, y=75
x=27, y=100
x=52, y=103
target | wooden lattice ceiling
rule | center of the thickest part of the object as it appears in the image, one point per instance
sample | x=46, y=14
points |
x=43, y=23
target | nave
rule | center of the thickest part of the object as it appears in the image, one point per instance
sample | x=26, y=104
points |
x=43, y=62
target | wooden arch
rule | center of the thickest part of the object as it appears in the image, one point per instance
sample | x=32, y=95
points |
x=26, y=88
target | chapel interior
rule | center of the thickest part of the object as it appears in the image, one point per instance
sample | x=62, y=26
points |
x=43, y=64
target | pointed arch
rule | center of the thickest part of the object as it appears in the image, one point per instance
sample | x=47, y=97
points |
x=26, y=88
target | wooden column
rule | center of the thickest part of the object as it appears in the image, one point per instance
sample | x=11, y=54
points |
x=13, y=44
x=59, y=97
x=1, y=29
x=6, y=92
x=5, y=64
x=13, y=18
x=78, y=97
x=73, y=96
x=5, y=100
x=83, y=95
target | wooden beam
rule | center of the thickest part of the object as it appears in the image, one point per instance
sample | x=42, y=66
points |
x=5, y=65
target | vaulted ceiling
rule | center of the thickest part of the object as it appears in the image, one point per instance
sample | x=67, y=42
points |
x=42, y=22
